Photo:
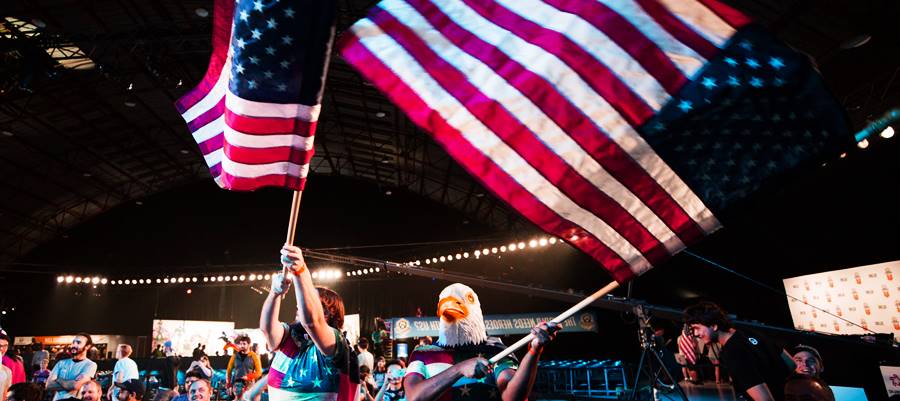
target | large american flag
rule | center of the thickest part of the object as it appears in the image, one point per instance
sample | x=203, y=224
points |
x=255, y=112
x=620, y=126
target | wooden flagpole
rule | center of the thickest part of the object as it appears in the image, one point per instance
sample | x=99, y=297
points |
x=292, y=223
x=559, y=319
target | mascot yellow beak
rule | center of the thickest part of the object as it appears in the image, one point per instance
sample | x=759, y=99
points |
x=452, y=309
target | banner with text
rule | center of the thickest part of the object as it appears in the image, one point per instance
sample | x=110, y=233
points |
x=496, y=325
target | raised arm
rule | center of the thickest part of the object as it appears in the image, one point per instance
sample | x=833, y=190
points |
x=309, y=307
x=517, y=386
x=268, y=317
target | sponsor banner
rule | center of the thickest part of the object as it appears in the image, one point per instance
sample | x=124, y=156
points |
x=866, y=295
x=891, y=375
x=496, y=325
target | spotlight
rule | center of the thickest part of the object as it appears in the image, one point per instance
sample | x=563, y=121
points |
x=194, y=279
x=158, y=281
x=120, y=282
x=315, y=274
x=511, y=247
x=348, y=274
x=458, y=256
x=888, y=132
x=843, y=155
x=234, y=278
x=227, y=278
x=60, y=279
x=252, y=277
x=552, y=240
x=128, y=282
x=180, y=280
x=365, y=271
x=69, y=279
x=166, y=280
x=103, y=281
x=95, y=280
x=141, y=281
x=268, y=276
x=206, y=279
x=418, y=263
x=78, y=279
x=465, y=254
x=427, y=261
x=533, y=243
x=521, y=245
x=189, y=291
x=484, y=251
x=434, y=260
x=443, y=259
x=477, y=253
x=494, y=250
x=220, y=278
x=503, y=248
x=542, y=242
x=863, y=144
x=377, y=269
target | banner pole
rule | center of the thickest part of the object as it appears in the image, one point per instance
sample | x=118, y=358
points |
x=292, y=223
x=559, y=319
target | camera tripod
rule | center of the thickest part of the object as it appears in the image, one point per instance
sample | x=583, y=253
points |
x=651, y=364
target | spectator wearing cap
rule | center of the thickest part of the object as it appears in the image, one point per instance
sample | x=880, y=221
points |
x=125, y=369
x=809, y=361
x=25, y=392
x=130, y=390
x=68, y=375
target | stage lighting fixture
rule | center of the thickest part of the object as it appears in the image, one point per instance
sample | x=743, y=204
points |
x=503, y=248
x=552, y=240
x=120, y=282
x=533, y=243
x=377, y=269
x=542, y=242
x=458, y=256
x=863, y=144
x=443, y=259
x=60, y=279
x=128, y=282
x=189, y=291
x=268, y=276
x=434, y=260
x=103, y=281
x=252, y=277
x=234, y=278
x=95, y=280
x=193, y=279
x=521, y=245
x=220, y=278
x=494, y=250
x=465, y=254
x=427, y=261
x=477, y=253
x=243, y=277
x=205, y=279
x=141, y=281
x=166, y=280
x=227, y=278
x=348, y=274
x=511, y=247
x=887, y=132
x=315, y=274
x=418, y=263
x=78, y=279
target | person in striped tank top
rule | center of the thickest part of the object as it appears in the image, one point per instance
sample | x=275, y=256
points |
x=455, y=367
x=313, y=361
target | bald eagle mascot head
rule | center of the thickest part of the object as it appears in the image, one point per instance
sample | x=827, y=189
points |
x=461, y=320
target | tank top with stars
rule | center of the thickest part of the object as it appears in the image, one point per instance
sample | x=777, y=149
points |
x=427, y=361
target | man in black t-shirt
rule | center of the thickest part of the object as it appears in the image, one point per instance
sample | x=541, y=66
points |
x=758, y=367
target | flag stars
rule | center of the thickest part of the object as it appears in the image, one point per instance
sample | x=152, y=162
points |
x=708, y=83
x=282, y=87
x=271, y=23
x=287, y=40
x=733, y=81
x=239, y=68
x=240, y=43
x=778, y=82
x=256, y=34
x=268, y=74
x=289, y=12
x=317, y=383
x=253, y=60
x=731, y=61
x=244, y=15
x=756, y=82
x=285, y=64
x=746, y=45
x=257, y=5
x=776, y=63
x=251, y=84
x=270, y=50
x=685, y=106
x=752, y=63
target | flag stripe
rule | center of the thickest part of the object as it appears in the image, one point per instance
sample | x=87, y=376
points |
x=207, y=117
x=731, y=16
x=262, y=109
x=574, y=40
x=473, y=160
x=666, y=59
x=571, y=119
x=473, y=131
x=544, y=43
x=218, y=62
x=214, y=96
x=238, y=138
x=518, y=121
x=674, y=26
x=209, y=130
x=704, y=21
x=269, y=125
x=251, y=156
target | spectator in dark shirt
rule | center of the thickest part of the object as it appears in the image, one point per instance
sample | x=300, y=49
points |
x=41, y=375
x=758, y=368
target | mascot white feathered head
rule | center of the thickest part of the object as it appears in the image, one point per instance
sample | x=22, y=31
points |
x=461, y=319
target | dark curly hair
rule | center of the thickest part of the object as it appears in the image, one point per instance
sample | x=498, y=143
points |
x=333, y=306
x=707, y=314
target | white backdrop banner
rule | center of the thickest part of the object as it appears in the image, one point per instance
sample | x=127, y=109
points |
x=868, y=296
x=186, y=334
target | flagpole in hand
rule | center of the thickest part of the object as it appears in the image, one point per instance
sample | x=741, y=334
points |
x=292, y=226
x=559, y=319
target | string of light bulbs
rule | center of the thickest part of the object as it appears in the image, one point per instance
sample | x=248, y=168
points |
x=485, y=251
